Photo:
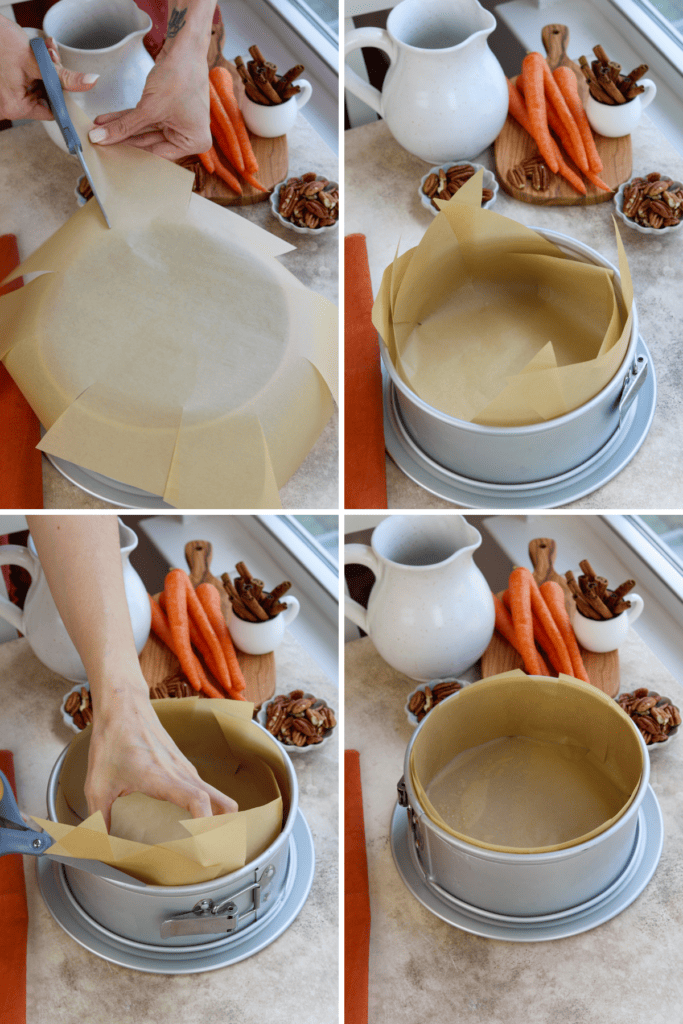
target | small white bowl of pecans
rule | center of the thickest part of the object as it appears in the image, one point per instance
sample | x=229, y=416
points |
x=308, y=205
x=299, y=721
x=77, y=708
x=652, y=204
x=443, y=182
x=421, y=701
x=657, y=719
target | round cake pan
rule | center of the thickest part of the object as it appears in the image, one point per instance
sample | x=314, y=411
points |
x=523, y=884
x=538, y=451
x=150, y=914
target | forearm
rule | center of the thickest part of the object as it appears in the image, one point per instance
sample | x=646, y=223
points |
x=189, y=27
x=81, y=559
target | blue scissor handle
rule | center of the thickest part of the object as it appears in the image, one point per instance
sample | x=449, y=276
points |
x=55, y=96
x=20, y=838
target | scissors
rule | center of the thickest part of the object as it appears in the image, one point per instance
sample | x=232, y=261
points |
x=17, y=837
x=55, y=98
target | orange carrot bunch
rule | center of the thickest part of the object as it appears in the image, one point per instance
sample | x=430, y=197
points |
x=545, y=102
x=185, y=619
x=232, y=156
x=530, y=615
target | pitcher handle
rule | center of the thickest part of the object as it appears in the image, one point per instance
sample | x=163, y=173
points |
x=14, y=554
x=359, y=554
x=649, y=94
x=381, y=40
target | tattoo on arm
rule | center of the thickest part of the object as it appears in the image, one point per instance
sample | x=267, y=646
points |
x=176, y=22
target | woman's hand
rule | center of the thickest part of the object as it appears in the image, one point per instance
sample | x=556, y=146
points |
x=130, y=752
x=172, y=117
x=21, y=94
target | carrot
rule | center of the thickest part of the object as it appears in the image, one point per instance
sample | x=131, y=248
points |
x=254, y=182
x=506, y=628
x=221, y=80
x=211, y=603
x=160, y=623
x=540, y=610
x=562, y=168
x=178, y=623
x=506, y=604
x=223, y=172
x=566, y=81
x=223, y=129
x=543, y=640
x=520, y=607
x=535, y=107
x=208, y=161
x=196, y=611
x=555, y=98
x=198, y=641
x=553, y=596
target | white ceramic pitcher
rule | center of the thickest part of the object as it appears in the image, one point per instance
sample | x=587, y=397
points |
x=40, y=621
x=102, y=37
x=444, y=96
x=430, y=613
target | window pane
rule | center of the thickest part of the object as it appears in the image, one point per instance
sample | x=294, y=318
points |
x=324, y=530
x=667, y=13
x=327, y=11
x=666, y=532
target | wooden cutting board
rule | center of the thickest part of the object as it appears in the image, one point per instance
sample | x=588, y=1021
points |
x=158, y=663
x=272, y=157
x=513, y=145
x=500, y=656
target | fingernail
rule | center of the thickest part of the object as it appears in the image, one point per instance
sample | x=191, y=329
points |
x=89, y=79
x=97, y=134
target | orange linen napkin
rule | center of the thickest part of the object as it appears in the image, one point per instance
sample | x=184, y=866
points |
x=21, y=479
x=365, y=484
x=13, y=925
x=356, y=897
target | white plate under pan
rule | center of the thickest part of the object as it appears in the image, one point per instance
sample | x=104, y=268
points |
x=651, y=833
x=106, y=489
x=180, y=959
x=560, y=490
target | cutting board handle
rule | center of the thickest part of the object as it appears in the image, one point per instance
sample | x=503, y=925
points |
x=555, y=39
x=198, y=557
x=542, y=552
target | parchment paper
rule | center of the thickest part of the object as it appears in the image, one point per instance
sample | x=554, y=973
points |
x=173, y=353
x=161, y=844
x=487, y=321
x=514, y=750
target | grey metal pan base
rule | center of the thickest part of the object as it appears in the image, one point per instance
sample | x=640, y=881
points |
x=106, y=489
x=551, y=493
x=181, y=960
x=651, y=835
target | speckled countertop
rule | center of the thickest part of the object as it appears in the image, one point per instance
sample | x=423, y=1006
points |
x=293, y=981
x=381, y=201
x=627, y=971
x=37, y=182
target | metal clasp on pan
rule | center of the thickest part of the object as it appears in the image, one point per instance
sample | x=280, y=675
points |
x=633, y=382
x=207, y=917
x=412, y=817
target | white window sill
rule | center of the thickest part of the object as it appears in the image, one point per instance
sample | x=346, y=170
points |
x=600, y=22
x=242, y=538
x=591, y=537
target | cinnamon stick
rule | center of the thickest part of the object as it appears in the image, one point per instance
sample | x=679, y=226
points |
x=238, y=605
x=285, y=80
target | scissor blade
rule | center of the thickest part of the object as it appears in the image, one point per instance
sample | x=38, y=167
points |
x=79, y=154
x=8, y=823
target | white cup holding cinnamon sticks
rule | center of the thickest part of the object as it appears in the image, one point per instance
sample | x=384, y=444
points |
x=262, y=637
x=602, y=635
x=619, y=119
x=269, y=122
